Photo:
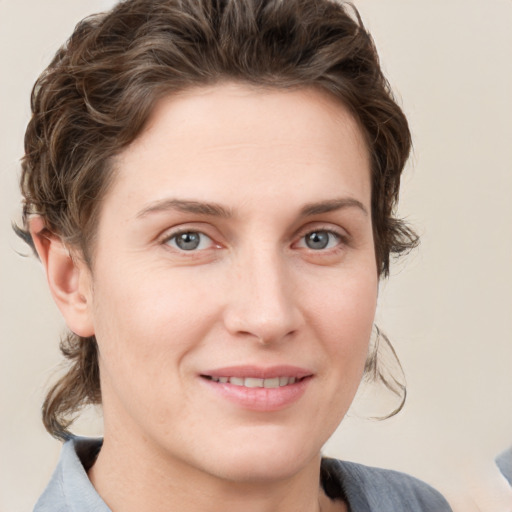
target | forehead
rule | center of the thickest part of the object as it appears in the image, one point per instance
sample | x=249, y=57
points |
x=237, y=110
x=234, y=134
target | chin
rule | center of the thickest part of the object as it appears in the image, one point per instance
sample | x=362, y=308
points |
x=263, y=458
x=261, y=470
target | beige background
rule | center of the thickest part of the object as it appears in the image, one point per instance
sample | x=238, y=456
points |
x=448, y=309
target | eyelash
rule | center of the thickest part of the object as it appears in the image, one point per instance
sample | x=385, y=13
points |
x=342, y=240
x=174, y=236
x=339, y=239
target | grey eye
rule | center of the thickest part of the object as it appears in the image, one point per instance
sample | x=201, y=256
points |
x=188, y=241
x=318, y=240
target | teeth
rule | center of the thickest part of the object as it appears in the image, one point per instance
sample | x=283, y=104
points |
x=251, y=382
x=272, y=383
x=237, y=381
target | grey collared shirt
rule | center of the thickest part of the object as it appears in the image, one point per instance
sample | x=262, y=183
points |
x=504, y=463
x=70, y=489
x=365, y=489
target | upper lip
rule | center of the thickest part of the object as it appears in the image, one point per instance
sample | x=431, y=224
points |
x=259, y=372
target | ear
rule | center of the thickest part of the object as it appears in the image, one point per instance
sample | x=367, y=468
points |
x=69, y=278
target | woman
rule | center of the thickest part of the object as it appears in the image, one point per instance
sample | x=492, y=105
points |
x=210, y=188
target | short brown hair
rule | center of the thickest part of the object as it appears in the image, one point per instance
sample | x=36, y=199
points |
x=99, y=90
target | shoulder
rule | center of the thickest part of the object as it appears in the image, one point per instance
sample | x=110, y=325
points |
x=371, y=489
x=69, y=489
x=504, y=463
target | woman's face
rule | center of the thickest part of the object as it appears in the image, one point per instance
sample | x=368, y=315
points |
x=234, y=281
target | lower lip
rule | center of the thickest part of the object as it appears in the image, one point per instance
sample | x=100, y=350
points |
x=260, y=399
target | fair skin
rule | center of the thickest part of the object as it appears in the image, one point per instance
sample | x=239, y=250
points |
x=236, y=242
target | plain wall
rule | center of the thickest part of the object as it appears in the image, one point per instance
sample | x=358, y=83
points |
x=447, y=308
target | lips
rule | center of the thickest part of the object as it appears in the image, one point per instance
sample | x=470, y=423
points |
x=259, y=372
x=259, y=389
x=253, y=382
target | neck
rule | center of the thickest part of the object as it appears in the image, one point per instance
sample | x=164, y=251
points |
x=132, y=476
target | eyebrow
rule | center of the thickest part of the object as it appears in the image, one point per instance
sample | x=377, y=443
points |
x=217, y=210
x=186, y=206
x=332, y=205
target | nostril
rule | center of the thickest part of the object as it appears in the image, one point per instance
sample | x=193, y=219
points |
x=266, y=321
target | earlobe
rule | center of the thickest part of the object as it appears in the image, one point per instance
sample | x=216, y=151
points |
x=68, y=278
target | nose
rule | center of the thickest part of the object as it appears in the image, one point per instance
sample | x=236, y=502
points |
x=263, y=303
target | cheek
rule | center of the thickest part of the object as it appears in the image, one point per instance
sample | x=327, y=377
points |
x=344, y=318
x=145, y=328
x=143, y=322
x=346, y=300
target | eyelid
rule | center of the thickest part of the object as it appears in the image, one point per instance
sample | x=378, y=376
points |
x=175, y=246
x=302, y=244
x=339, y=232
x=171, y=233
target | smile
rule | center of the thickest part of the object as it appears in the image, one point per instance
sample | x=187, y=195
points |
x=256, y=388
x=252, y=382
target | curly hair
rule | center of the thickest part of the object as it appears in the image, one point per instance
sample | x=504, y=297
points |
x=100, y=88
